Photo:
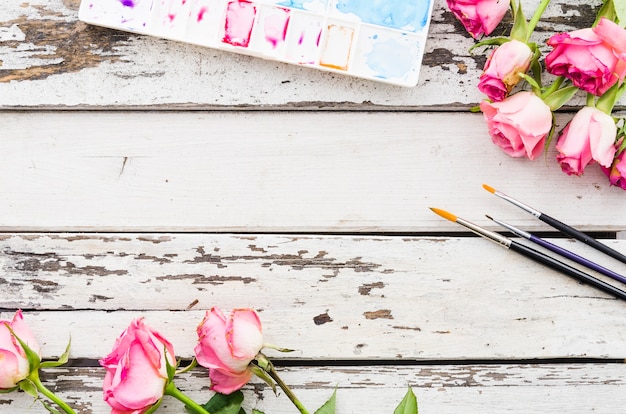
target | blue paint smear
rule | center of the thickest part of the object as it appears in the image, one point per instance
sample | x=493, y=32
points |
x=297, y=4
x=397, y=14
x=390, y=59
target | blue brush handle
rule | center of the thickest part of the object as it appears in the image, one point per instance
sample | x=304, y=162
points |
x=579, y=235
x=578, y=259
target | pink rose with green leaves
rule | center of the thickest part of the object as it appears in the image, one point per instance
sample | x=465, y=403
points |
x=594, y=59
x=136, y=369
x=479, y=17
x=503, y=68
x=227, y=346
x=14, y=363
x=588, y=137
x=519, y=124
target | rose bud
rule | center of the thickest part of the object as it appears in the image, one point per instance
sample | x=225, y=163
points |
x=502, y=69
x=14, y=364
x=136, y=369
x=588, y=137
x=227, y=346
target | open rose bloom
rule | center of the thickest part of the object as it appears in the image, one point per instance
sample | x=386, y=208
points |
x=594, y=59
x=227, y=346
x=519, y=124
x=14, y=365
x=589, y=136
x=479, y=17
x=136, y=369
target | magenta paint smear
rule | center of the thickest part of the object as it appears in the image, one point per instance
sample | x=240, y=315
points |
x=205, y=22
x=380, y=40
x=239, y=23
x=275, y=26
x=303, y=38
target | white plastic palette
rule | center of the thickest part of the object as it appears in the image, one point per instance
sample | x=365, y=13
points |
x=381, y=40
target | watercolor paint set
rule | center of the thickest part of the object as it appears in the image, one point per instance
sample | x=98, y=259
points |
x=381, y=40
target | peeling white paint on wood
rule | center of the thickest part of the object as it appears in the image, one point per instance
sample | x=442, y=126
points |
x=429, y=298
x=119, y=69
x=511, y=389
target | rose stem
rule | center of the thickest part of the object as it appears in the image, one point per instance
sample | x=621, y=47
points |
x=34, y=377
x=287, y=391
x=170, y=389
x=537, y=15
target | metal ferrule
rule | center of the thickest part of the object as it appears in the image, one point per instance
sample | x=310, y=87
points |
x=514, y=230
x=521, y=205
x=490, y=235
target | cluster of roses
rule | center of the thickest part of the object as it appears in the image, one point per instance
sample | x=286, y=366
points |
x=141, y=368
x=592, y=60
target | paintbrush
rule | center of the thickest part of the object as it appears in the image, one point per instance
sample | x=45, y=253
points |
x=560, y=251
x=535, y=255
x=562, y=227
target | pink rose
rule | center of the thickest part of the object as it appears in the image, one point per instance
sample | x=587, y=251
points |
x=502, y=69
x=227, y=346
x=479, y=16
x=617, y=171
x=14, y=365
x=593, y=59
x=519, y=124
x=136, y=369
x=589, y=136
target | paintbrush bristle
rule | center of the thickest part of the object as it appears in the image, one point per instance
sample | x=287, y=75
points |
x=444, y=214
x=490, y=189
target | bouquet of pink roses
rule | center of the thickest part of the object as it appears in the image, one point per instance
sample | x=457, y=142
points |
x=519, y=109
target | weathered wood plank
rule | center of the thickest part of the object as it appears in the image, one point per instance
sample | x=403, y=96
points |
x=514, y=389
x=368, y=297
x=50, y=59
x=278, y=172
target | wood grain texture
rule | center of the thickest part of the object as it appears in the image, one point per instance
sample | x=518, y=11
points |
x=428, y=298
x=440, y=389
x=278, y=172
x=50, y=59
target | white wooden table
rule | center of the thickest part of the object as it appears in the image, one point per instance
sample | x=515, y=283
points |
x=143, y=177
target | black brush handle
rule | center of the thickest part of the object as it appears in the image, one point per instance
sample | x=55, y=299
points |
x=579, y=235
x=566, y=269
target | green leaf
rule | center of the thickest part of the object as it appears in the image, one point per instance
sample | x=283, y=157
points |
x=154, y=407
x=492, y=41
x=33, y=358
x=261, y=373
x=619, y=7
x=62, y=359
x=225, y=403
x=607, y=101
x=255, y=411
x=520, y=25
x=560, y=97
x=408, y=405
x=329, y=406
x=608, y=11
x=8, y=390
x=50, y=408
x=29, y=388
x=192, y=365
